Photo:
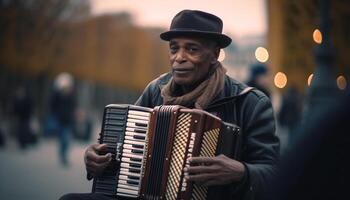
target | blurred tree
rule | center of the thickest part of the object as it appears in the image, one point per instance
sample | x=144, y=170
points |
x=28, y=28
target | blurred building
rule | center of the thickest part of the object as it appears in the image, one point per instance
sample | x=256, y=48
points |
x=240, y=55
x=294, y=33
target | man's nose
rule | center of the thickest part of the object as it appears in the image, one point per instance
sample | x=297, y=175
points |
x=180, y=56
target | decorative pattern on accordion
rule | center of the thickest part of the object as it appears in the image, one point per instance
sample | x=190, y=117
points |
x=208, y=149
x=178, y=155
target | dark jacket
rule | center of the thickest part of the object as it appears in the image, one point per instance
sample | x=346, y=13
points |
x=63, y=108
x=254, y=114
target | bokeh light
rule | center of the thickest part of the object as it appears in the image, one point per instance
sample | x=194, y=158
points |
x=280, y=80
x=261, y=54
x=341, y=82
x=317, y=36
x=309, y=79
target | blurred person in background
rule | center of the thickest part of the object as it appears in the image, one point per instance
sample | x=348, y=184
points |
x=63, y=105
x=23, y=107
x=290, y=113
x=198, y=80
x=2, y=134
x=2, y=139
x=259, y=78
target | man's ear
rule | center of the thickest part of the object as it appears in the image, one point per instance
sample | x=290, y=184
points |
x=216, y=55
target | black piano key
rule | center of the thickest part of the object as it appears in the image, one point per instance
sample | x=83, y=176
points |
x=138, y=146
x=133, y=177
x=136, y=159
x=140, y=130
x=141, y=124
x=135, y=165
x=132, y=182
x=139, y=137
x=134, y=170
x=137, y=151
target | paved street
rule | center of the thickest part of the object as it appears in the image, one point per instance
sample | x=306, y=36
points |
x=36, y=173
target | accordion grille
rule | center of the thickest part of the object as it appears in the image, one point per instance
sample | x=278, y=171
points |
x=178, y=155
x=208, y=149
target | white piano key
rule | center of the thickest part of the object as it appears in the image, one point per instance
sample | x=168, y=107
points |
x=125, y=182
x=128, y=187
x=131, y=146
x=134, y=151
x=133, y=125
x=134, y=112
x=126, y=191
x=144, y=118
x=127, y=195
x=128, y=133
x=134, y=142
x=126, y=178
x=128, y=153
x=128, y=160
x=123, y=177
x=143, y=129
x=145, y=122
x=132, y=138
x=129, y=173
x=131, y=170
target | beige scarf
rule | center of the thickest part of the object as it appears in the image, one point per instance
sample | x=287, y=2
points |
x=201, y=96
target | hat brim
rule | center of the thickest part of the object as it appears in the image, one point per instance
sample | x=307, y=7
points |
x=223, y=40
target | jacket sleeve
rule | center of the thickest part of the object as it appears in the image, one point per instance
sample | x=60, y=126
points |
x=261, y=149
x=147, y=98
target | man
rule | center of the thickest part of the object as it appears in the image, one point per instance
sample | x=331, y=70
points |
x=198, y=80
x=259, y=78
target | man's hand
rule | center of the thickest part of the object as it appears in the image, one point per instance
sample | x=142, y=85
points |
x=217, y=170
x=95, y=163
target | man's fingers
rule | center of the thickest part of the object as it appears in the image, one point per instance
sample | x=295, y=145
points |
x=93, y=157
x=202, y=178
x=96, y=168
x=202, y=160
x=99, y=147
x=202, y=169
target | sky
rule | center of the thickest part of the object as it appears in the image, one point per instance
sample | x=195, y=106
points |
x=241, y=17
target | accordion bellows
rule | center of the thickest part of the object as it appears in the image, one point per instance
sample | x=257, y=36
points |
x=150, y=148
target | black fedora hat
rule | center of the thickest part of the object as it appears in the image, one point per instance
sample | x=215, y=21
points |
x=195, y=23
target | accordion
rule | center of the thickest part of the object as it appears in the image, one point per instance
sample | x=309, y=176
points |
x=150, y=148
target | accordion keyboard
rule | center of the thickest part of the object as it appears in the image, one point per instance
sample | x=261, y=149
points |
x=124, y=130
x=131, y=165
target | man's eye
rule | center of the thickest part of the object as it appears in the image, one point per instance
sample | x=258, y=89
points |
x=173, y=49
x=192, y=49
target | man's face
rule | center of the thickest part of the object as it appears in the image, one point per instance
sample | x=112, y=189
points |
x=191, y=60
